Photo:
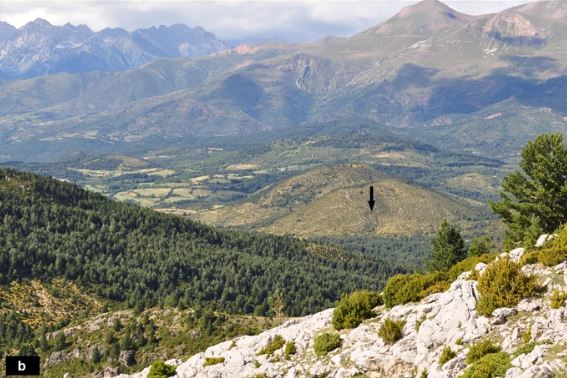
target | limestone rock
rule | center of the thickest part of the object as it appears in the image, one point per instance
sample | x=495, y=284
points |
x=442, y=319
x=544, y=239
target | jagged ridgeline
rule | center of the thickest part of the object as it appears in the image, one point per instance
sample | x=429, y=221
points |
x=128, y=254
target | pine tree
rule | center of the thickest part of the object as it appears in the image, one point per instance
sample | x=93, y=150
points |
x=277, y=303
x=538, y=191
x=448, y=247
x=480, y=246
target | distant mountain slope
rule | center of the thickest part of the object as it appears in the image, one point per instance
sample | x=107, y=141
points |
x=332, y=201
x=39, y=48
x=427, y=66
x=132, y=255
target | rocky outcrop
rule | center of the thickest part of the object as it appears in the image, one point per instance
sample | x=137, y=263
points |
x=442, y=319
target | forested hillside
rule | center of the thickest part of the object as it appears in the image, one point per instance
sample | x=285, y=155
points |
x=133, y=255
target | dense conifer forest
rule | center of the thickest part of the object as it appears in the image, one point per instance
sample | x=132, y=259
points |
x=132, y=255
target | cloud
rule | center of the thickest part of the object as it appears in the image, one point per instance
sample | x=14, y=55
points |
x=231, y=20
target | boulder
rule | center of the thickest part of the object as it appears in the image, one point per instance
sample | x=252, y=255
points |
x=544, y=239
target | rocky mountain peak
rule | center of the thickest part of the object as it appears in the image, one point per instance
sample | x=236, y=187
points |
x=425, y=17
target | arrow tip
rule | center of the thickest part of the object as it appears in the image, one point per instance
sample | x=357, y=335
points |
x=371, y=205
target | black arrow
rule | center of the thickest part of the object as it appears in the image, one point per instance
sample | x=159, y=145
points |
x=371, y=202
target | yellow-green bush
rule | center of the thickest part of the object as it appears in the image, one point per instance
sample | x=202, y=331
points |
x=276, y=343
x=529, y=257
x=481, y=349
x=391, y=330
x=555, y=251
x=503, y=284
x=406, y=288
x=490, y=366
x=468, y=264
x=326, y=342
x=289, y=350
x=352, y=309
x=557, y=299
x=209, y=361
x=446, y=355
x=159, y=369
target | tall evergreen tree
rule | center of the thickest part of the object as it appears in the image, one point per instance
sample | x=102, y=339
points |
x=448, y=247
x=537, y=192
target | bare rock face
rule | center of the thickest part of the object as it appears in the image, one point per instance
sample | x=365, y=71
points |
x=440, y=320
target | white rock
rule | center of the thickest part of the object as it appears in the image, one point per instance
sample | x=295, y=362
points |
x=516, y=254
x=480, y=267
x=544, y=239
x=500, y=315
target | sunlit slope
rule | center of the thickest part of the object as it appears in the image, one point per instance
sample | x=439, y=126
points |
x=330, y=201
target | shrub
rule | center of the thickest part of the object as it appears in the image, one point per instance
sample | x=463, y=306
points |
x=459, y=341
x=289, y=350
x=447, y=355
x=527, y=335
x=326, y=342
x=503, y=284
x=354, y=308
x=557, y=299
x=529, y=257
x=525, y=349
x=276, y=343
x=391, y=330
x=481, y=349
x=209, y=361
x=406, y=288
x=469, y=264
x=552, y=256
x=160, y=369
x=490, y=366
x=480, y=246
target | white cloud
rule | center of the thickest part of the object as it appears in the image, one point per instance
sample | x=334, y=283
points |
x=232, y=20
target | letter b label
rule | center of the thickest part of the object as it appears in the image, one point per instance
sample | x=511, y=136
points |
x=22, y=365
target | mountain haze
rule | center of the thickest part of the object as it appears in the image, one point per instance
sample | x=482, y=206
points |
x=39, y=48
x=427, y=66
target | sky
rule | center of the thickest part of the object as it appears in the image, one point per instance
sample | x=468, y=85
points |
x=234, y=21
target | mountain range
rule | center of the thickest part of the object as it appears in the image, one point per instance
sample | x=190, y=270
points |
x=39, y=48
x=429, y=69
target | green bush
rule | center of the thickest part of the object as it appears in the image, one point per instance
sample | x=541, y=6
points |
x=490, y=366
x=326, y=342
x=503, y=284
x=557, y=299
x=552, y=256
x=481, y=349
x=354, y=308
x=391, y=330
x=209, y=361
x=525, y=349
x=447, y=355
x=468, y=265
x=406, y=288
x=160, y=369
x=276, y=343
x=555, y=251
x=529, y=257
x=289, y=350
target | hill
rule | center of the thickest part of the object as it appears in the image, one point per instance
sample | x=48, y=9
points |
x=442, y=335
x=128, y=254
x=302, y=206
x=72, y=261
